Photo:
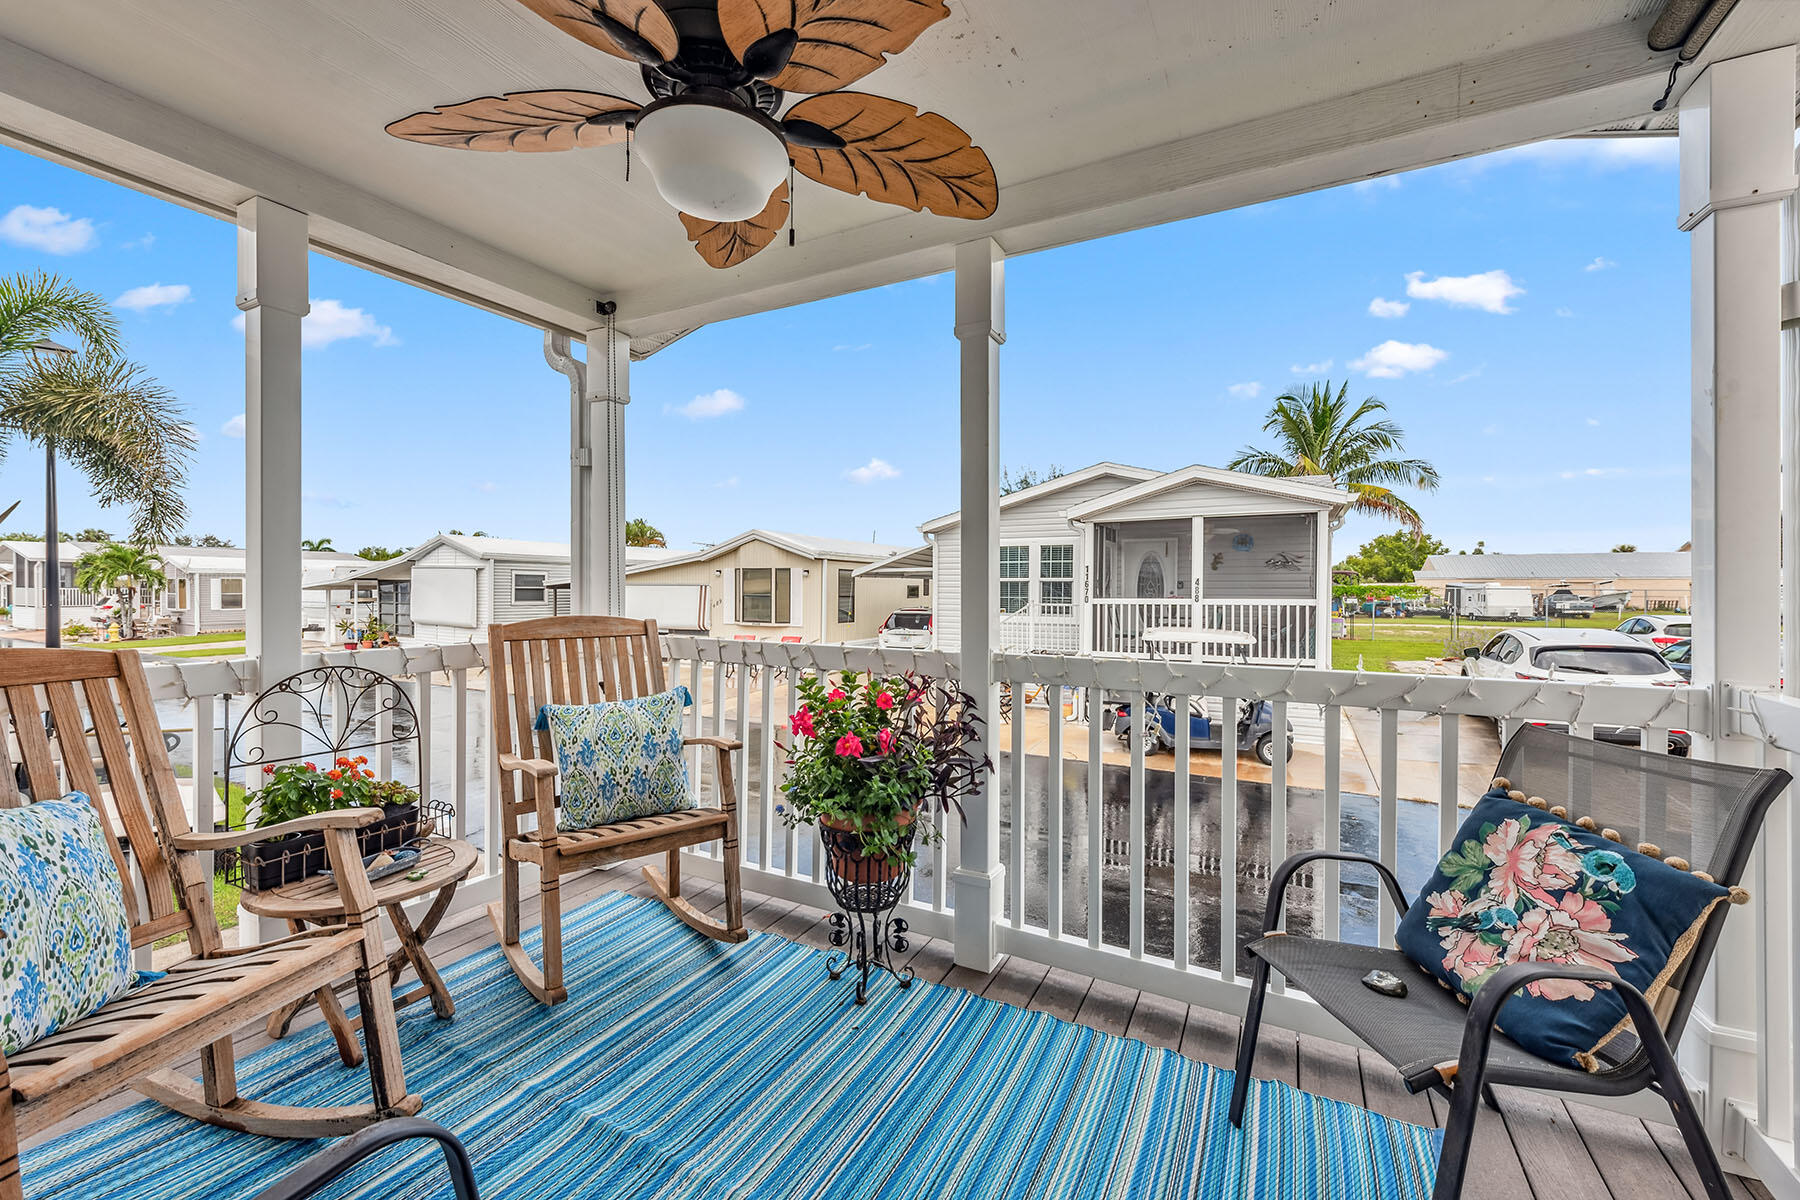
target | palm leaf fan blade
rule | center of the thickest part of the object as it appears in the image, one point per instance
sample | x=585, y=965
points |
x=725, y=244
x=835, y=42
x=531, y=122
x=898, y=155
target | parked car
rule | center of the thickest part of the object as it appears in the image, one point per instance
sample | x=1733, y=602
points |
x=1379, y=608
x=905, y=629
x=1564, y=603
x=1681, y=657
x=1662, y=630
x=1578, y=656
x=1425, y=608
x=1255, y=728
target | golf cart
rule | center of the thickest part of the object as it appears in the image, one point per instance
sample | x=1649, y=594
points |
x=1255, y=727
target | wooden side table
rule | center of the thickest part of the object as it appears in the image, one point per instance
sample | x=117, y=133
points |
x=315, y=901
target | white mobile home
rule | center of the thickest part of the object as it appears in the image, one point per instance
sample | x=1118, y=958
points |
x=1196, y=563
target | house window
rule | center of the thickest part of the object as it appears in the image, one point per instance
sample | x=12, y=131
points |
x=231, y=592
x=846, y=597
x=912, y=591
x=528, y=589
x=764, y=596
x=1015, y=578
x=1056, y=579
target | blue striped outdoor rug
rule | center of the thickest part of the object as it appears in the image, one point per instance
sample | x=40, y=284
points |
x=683, y=1068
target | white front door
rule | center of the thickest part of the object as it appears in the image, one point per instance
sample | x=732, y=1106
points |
x=1150, y=569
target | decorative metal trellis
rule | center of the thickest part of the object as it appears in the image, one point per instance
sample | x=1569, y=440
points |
x=325, y=713
x=867, y=891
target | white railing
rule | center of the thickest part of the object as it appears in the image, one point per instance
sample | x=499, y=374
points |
x=1279, y=631
x=1041, y=629
x=1159, y=881
x=1113, y=858
x=75, y=602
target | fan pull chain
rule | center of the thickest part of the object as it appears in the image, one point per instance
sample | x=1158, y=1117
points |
x=628, y=154
x=790, y=202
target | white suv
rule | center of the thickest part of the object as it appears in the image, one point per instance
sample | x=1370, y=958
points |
x=906, y=629
x=1578, y=656
x=1663, y=630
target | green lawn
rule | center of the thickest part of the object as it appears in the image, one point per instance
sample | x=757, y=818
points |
x=192, y=639
x=228, y=648
x=1385, y=640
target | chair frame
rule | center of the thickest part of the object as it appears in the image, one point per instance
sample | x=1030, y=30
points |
x=587, y=660
x=138, y=1037
x=1652, y=1066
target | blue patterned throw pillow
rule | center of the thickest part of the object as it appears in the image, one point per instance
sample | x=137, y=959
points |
x=621, y=760
x=65, y=937
x=1524, y=884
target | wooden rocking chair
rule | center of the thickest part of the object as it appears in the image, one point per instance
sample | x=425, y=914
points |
x=204, y=998
x=585, y=660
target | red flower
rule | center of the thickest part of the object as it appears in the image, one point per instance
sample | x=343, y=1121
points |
x=836, y=694
x=334, y=774
x=368, y=774
x=885, y=740
x=884, y=700
x=337, y=793
x=801, y=723
x=914, y=695
x=270, y=770
x=311, y=766
x=849, y=746
x=361, y=759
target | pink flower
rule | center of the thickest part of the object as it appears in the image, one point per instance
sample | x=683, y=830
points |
x=1450, y=903
x=1534, y=863
x=836, y=694
x=849, y=746
x=1468, y=956
x=885, y=740
x=914, y=694
x=884, y=700
x=1576, y=931
x=801, y=723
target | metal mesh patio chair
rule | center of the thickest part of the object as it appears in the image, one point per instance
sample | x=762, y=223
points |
x=1706, y=814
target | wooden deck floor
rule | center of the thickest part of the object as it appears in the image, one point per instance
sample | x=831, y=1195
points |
x=1535, y=1148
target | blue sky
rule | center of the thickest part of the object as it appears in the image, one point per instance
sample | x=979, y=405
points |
x=1531, y=336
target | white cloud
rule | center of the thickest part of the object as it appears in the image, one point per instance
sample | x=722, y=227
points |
x=333, y=321
x=1318, y=368
x=707, y=405
x=1392, y=359
x=48, y=229
x=1488, y=291
x=730, y=481
x=1387, y=308
x=1245, y=391
x=847, y=348
x=487, y=485
x=1489, y=430
x=1468, y=375
x=1565, y=312
x=1593, y=420
x=234, y=427
x=1600, y=264
x=155, y=295
x=872, y=471
x=327, y=500
x=143, y=243
x=1386, y=183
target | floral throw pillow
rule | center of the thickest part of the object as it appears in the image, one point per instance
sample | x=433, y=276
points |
x=1524, y=884
x=65, y=937
x=620, y=760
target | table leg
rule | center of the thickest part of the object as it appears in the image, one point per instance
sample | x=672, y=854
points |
x=343, y=1030
x=412, y=950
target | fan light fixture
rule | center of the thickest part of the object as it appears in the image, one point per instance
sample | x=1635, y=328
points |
x=714, y=162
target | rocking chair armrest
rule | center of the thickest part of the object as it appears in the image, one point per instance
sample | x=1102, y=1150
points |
x=726, y=745
x=1285, y=872
x=341, y=818
x=537, y=768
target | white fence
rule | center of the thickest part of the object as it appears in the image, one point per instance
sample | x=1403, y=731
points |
x=1261, y=631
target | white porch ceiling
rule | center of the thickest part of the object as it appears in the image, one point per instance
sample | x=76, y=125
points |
x=1098, y=117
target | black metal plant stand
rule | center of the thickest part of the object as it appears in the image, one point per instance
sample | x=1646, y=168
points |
x=865, y=927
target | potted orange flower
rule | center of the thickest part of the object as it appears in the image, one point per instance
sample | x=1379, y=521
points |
x=297, y=789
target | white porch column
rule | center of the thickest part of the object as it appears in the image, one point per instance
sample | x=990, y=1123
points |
x=980, y=330
x=608, y=392
x=272, y=251
x=1737, y=165
x=581, y=466
x=1322, y=592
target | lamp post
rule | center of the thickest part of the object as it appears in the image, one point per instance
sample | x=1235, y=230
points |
x=45, y=353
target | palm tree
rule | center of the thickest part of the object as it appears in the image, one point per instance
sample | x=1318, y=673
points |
x=639, y=532
x=316, y=544
x=101, y=412
x=1319, y=433
x=105, y=569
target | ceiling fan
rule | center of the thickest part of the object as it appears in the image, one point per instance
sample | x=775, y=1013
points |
x=718, y=72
